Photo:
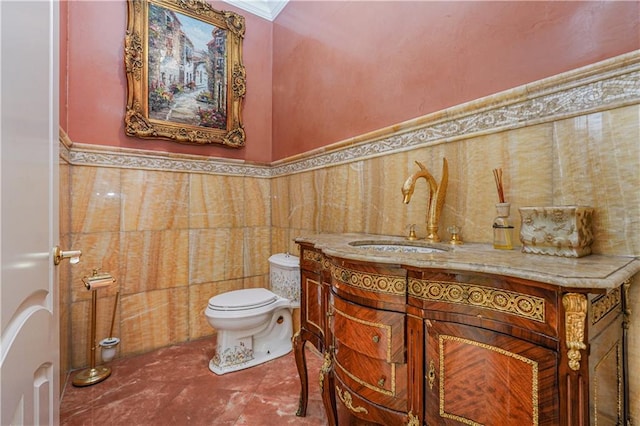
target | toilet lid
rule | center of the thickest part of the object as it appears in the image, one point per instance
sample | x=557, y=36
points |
x=237, y=300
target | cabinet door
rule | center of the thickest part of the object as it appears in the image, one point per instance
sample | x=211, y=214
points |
x=312, y=312
x=476, y=376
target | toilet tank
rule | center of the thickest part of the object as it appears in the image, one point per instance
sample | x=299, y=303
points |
x=284, y=277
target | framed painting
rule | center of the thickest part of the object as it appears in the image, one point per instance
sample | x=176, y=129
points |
x=185, y=78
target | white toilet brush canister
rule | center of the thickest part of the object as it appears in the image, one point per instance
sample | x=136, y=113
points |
x=110, y=343
x=93, y=374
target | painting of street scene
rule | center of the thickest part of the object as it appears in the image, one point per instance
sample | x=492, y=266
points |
x=187, y=70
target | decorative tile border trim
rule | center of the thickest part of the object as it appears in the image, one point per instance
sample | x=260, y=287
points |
x=609, y=84
x=157, y=161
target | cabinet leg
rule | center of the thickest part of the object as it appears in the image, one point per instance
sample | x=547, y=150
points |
x=301, y=363
x=328, y=389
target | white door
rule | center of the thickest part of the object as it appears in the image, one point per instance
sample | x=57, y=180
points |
x=29, y=353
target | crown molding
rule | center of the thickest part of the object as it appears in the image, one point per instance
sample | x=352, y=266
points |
x=267, y=9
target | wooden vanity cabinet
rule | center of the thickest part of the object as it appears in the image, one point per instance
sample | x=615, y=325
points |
x=407, y=345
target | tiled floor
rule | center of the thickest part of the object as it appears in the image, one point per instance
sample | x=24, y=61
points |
x=173, y=386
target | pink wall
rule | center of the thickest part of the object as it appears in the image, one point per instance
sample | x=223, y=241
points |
x=97, y=83
x=342, y=69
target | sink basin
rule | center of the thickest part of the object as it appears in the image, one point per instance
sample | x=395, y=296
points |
x=396, y=247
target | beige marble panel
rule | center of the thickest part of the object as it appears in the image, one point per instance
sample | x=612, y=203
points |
x=597, y=162
x=257, y=201
x=153, y=260
x=64, y=304
x=259, y=281
x=64, y=198
x=100, y=250
x=280, y=202
x=216, y=201
x=199, y=295
x=524, y=155
x=330, y=198
x=153, y=200
x=304, y=196
x=95, y=199
x=80, y=328
x=215, y=254
x=257, y=249
x=341, y=198
x=154, y=319
x=281, y=240
x=385, y=213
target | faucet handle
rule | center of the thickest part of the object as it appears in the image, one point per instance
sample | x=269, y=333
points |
x=412, y=233
x=455, y=235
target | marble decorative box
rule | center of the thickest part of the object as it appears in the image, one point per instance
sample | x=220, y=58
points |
x=557, y=230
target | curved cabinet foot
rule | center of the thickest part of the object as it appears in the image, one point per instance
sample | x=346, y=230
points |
x=301, y=363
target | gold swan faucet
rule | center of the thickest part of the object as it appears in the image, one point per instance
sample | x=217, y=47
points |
x=436, y=196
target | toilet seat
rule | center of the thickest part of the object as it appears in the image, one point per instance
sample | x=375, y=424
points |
x=243, y=300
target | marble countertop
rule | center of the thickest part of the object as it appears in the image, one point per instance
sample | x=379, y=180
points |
x=593, y=271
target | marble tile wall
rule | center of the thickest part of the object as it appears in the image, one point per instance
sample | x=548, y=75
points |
x=587, y=160
x=172, y=240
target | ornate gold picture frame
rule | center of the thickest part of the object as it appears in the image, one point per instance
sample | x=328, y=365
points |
x=185, y=78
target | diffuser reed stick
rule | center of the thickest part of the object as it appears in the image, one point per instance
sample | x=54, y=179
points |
x=497, y=174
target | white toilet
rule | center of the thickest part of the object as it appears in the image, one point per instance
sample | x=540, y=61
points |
x=254, y=325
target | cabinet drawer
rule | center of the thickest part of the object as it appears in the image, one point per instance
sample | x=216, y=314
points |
x=364, y=409
x=511, y=302
x=376, y=380
x=374, y=333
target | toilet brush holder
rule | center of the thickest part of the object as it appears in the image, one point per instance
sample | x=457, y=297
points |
x=109, y=348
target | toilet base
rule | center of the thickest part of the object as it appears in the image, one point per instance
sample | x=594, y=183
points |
x=237, y=350
x=258, y=358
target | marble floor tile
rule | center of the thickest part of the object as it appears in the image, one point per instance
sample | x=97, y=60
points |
x=173, y=386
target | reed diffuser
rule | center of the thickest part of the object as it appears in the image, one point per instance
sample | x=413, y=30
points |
x=502, y=226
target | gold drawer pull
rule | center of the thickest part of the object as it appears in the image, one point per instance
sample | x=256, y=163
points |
x=375, y=338
x=381, y=382
x=432, y=374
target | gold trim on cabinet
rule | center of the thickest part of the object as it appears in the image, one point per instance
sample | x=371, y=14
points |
x=510, y=302
x=325, y=368
x=383, y=391
x=412, y=419
x=431, y=376
x=532, y=363
x=387, y=284
x=371, y=324
x=575, y=312
x=347, y=400
x=602, y=305
x=312, y=256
